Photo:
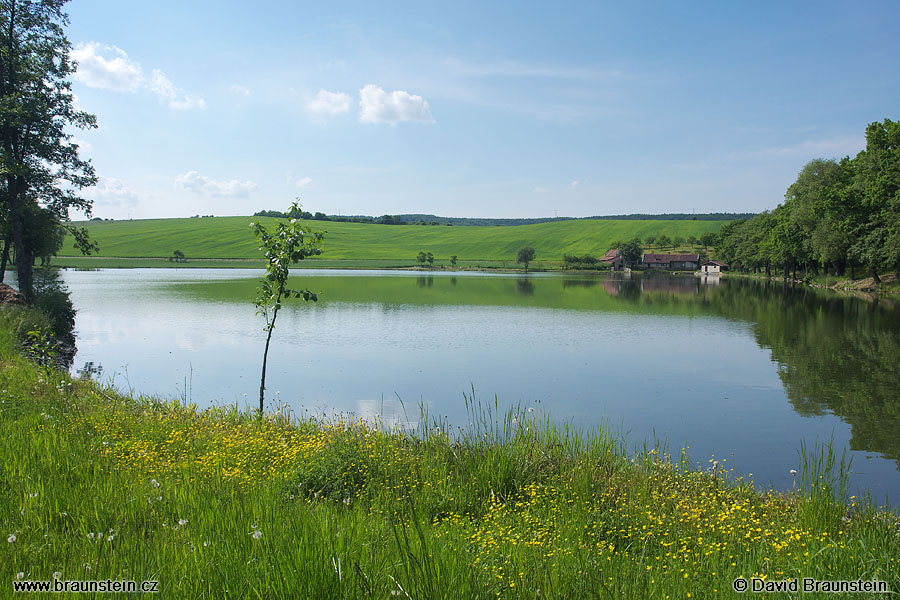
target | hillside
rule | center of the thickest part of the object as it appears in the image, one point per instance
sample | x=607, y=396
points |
x=230, y=237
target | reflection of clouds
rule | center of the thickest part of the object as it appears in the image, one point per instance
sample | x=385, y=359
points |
x=389, y=413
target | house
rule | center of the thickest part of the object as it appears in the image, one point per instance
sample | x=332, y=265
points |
x=671, y=262
x=612, y=260
x=710, y=267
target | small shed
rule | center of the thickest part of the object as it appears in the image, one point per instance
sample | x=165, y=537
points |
x=713, y=267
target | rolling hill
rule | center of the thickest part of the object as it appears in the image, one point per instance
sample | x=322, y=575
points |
x=231, y=238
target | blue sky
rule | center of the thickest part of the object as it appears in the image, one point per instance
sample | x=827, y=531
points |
x=497, y=109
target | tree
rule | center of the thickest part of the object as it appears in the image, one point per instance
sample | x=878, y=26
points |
x=178, y=256
x=650, y=239
x=631, y=252
x=678, y=241
x=453, y=260
x=422, y=257
x=709, y=238
x=39, y=162
x=525, y=255
x=663, y=241
x=292, y=241
x=430, y=258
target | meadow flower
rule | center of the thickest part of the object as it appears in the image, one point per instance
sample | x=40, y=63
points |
x=11, y=538
x=182, y=522
x=57, y=575
x=154, y=483
x=20, y=575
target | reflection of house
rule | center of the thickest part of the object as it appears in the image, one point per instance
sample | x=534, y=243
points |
x=612, y=260
x=713, y=266
x=671, y=262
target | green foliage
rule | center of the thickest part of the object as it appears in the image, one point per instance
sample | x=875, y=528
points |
x=580, y=262
x=836, y=214
x=663, y=240
x=177, y=256
x=525, y=255
x=430, y=258
x=453, y=260
x=290, y=242
x=631, y=252
x=42, y=171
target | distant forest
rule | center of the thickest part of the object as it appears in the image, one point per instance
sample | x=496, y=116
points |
x=422, y=219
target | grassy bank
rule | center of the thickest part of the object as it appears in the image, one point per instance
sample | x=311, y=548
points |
x=230, y=238
x=217, y=503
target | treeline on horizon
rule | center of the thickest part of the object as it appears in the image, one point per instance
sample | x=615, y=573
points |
x=423, y=219
x=837, y=215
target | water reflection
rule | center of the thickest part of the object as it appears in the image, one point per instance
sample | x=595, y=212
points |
x=723, y=365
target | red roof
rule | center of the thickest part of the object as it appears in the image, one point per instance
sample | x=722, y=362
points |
x=611, y=255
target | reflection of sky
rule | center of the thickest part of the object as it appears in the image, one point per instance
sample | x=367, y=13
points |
x=702, y=382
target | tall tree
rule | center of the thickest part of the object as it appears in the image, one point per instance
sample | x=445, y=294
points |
x=39, y=162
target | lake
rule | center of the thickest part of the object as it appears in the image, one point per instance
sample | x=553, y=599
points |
x=734, y=370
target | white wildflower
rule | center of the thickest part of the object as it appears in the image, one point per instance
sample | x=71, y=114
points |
x=11, y=538
x=182, y=522
x=20, y=575
x=154, y=483
x=57, y=575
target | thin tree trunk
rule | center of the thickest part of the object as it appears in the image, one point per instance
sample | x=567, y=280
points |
x=262, y=379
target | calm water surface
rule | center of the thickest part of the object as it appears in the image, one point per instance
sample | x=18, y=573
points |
x=735, y=370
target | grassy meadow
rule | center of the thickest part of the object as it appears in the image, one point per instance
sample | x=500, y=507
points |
x=218, y=503
x=231, y=238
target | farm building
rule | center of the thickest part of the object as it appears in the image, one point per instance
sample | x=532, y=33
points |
x=612, y=260
x=671, y=262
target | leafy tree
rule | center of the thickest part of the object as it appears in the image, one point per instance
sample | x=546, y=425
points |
x=692, y=240
x=631, y=252
x=663, y=240
x=678, y=241
x=453, y=260
x=709, y=238
x=292, y=241
x=178, y=256
x=39, y=162
x=650, y=240
x=422, y=257
x=525, y=255
x=430, y=258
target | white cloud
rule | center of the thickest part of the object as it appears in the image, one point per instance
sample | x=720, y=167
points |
x=115, y=71
x=377, y=106
x=239, y=90
x=574, y=184
x=329, y=103
x=110, y=192
x=303, y=182
x=163, y=87
x=200, y=184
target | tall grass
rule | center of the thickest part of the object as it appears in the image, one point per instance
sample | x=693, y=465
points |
x=221, y=503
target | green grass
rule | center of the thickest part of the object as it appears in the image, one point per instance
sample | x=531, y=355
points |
x=231, y=238
x=218, y=503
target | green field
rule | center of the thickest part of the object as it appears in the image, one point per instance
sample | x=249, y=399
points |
x=231, y=238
